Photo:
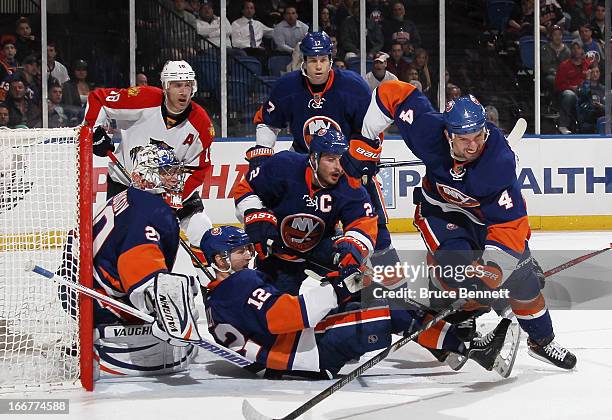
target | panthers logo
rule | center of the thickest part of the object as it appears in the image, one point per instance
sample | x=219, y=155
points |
x=316, y=124
x=302, y=231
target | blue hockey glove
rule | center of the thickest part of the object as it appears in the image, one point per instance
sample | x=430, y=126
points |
x=261, y=226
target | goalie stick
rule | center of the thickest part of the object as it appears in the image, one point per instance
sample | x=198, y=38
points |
x=184, y=244
x=250, y=413
x=223, y=352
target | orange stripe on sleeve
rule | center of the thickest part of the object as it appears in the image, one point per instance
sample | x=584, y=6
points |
x=392, y=93
x=241, y=189
x=285, y=315
x=280, y=352
x=258, y=118
x=512, y=234
x=353, y=317
x=138, y=263
x=367, y=225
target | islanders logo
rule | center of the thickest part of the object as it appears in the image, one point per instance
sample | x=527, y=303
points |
x=302, y=231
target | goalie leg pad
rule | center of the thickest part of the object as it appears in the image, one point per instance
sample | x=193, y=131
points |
x=176, y=316
x=132, y=350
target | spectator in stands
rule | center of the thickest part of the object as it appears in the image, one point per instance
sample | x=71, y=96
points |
x=7, y=67
x=411, y=75
x=452, y=91
x=379, y=71
x=598, y=22
x=591, y=97
x=421, y=63
x=582, y=12
x=270, y=12
x=247, y=33
x=141, y=79
x=178, y=38
x=31, y=77
x=570, y=75
x=339, y=64
x=209, y=25
x=340, y=11
x=4, y=115
x=551, y=14
x=21, y=110
x=521, y=20
x=588, y=43
x=57, y=116
x=551, y=55
x=396, y=64
x=325, y=22
x=492, y=114
x=76, y=90
x=399, y=27
x=56, y=69
x=25, y=42
x=349, y=36
x=289, y=31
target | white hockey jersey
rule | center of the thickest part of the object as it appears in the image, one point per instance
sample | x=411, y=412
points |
x=141, y=118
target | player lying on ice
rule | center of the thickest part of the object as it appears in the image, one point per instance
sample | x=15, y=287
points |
x=469, y=210
x=312, y=334
x=136, y=238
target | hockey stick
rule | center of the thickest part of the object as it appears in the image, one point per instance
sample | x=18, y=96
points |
x=575, y=261
x=227, y=354
x=400, y=163
x=517, y=132
x=250, y=413
x=184, y=244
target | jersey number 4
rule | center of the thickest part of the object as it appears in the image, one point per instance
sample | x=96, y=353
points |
x=505, y=200
x=407, y=116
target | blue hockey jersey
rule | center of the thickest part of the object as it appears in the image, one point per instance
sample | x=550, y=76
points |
x=486, y=190
x=305, y=214
x=136, y=236
x=342, y=105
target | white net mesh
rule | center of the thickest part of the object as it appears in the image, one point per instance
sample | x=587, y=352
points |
x=39, y=209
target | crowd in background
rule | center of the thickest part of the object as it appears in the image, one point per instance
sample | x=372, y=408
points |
x=572, y=59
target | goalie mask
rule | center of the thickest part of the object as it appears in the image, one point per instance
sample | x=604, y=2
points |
x=158, y=171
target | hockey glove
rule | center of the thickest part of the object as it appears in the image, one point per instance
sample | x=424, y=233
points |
x=191, y=205
x=539, y=273
x=256, y=155
x=361, y=160
x=102, y=143
x=349, y=251
x=175, y=312
x=346, y=282
x=261, y=226
x=483, y=277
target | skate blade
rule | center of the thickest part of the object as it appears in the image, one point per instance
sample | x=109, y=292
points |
x=504, y=363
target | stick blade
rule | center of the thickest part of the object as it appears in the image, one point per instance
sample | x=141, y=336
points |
x=250, y=413
x=517, y=132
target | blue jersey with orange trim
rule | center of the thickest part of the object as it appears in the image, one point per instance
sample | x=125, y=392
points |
x=136, y=236
x=486, y=190
x=306, y=215
x=249, y=315
x=342, y=105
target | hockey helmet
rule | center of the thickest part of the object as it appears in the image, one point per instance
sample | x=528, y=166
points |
x=464, y=115
x=157, y=170
x=222, y=240
x=328, y=140
x=178, y=71
x=315, y=44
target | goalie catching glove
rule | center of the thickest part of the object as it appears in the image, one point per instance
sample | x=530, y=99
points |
x=361, y=160
x=171, y=298
x=261, y=226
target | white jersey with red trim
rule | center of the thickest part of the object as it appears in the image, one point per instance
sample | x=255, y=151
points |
x=142, y=118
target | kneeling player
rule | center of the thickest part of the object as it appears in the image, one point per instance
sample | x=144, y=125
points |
x=283, y=332
x=136, y=237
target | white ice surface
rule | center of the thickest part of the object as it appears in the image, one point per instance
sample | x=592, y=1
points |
x=408, y=385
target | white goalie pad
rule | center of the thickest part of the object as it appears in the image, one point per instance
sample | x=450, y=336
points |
x=132, y=350
x=176, y=316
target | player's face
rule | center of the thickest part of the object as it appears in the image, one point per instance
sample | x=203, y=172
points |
x=241, y=256
x=468, y=146
x=329, y=170
x=178, y=95
x=171, y=178
x=317, y=69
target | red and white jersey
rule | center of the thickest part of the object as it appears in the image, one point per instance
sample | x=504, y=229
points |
x=142, y=118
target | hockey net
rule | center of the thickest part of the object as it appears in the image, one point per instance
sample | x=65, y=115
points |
x=45, y=218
